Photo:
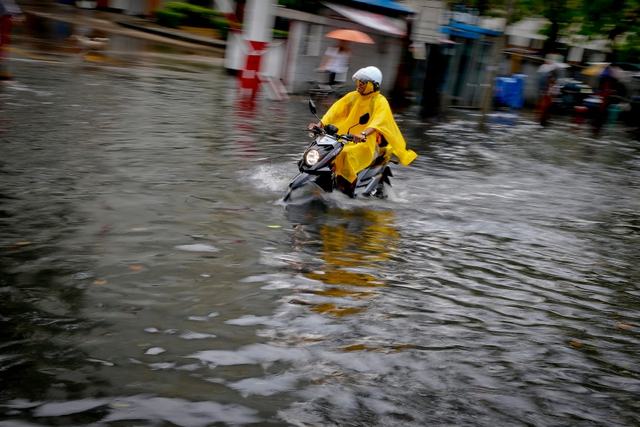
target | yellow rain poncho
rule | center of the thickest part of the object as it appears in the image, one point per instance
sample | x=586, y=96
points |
x=346, y=112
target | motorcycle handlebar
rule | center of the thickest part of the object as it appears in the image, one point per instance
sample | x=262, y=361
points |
x=349, y=137
x=319, y=130
x=315, y=129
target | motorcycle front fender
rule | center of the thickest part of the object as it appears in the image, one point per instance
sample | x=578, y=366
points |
x=322, y=181
x=299, y=181
x=302, y=179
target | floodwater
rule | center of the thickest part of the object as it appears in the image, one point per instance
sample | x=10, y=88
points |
x=151, y=276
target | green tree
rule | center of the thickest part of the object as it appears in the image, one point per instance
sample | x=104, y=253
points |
x=618, y=21
x=560, y=14
x=629, y=51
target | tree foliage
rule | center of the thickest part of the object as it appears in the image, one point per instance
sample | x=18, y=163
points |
x=630, y=50
x=560, y=14
x=610, y=18
x=615, y=20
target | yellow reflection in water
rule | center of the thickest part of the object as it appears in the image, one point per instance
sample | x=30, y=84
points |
x=360, y=240
x=337, y=292
x=336, y=311
x=355, y=247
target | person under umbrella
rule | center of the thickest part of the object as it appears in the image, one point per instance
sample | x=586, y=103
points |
x=338, y=58
x=336, y=61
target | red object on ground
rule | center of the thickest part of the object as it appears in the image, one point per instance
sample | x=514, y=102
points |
x=580, y=113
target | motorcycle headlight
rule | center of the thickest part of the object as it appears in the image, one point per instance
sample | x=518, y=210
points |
x=311, y=157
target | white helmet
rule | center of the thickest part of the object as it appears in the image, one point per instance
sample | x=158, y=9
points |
x=369, y=74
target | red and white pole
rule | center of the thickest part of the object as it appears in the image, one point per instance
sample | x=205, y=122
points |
x=257, y=34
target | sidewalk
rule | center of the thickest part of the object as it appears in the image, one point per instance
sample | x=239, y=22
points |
x=115, y=22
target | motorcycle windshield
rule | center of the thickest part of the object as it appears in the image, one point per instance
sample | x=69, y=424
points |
x=326, y=140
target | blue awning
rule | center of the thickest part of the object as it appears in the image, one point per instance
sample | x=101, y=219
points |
x=459, y=33
x=474, y=29
x=385, y=4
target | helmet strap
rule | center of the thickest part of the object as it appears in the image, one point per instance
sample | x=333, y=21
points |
x=374, y=86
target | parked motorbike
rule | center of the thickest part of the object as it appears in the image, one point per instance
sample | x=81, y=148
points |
x=317, y=165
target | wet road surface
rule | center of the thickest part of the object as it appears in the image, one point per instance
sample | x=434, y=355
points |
x=151, y=275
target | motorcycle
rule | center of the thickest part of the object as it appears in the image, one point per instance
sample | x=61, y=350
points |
x=317, y=165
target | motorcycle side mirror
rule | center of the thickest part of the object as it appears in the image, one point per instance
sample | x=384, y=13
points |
x=363, y=120
x=312, y=107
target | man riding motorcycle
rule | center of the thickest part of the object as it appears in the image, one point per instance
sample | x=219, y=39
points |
x=382, y=126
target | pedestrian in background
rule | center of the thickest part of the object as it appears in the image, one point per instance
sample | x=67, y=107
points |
x=9, y=11
x=336, y=61
x=605, y=93
x=549, y=97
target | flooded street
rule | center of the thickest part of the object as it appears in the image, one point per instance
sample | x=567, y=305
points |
x=151, y=276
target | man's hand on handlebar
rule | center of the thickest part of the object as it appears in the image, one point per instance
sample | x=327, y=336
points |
x=358, y=137
x=313, y=125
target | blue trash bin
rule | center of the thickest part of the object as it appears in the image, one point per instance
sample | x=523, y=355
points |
x=518, y=90
x=504, y=94
x=509, y=91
